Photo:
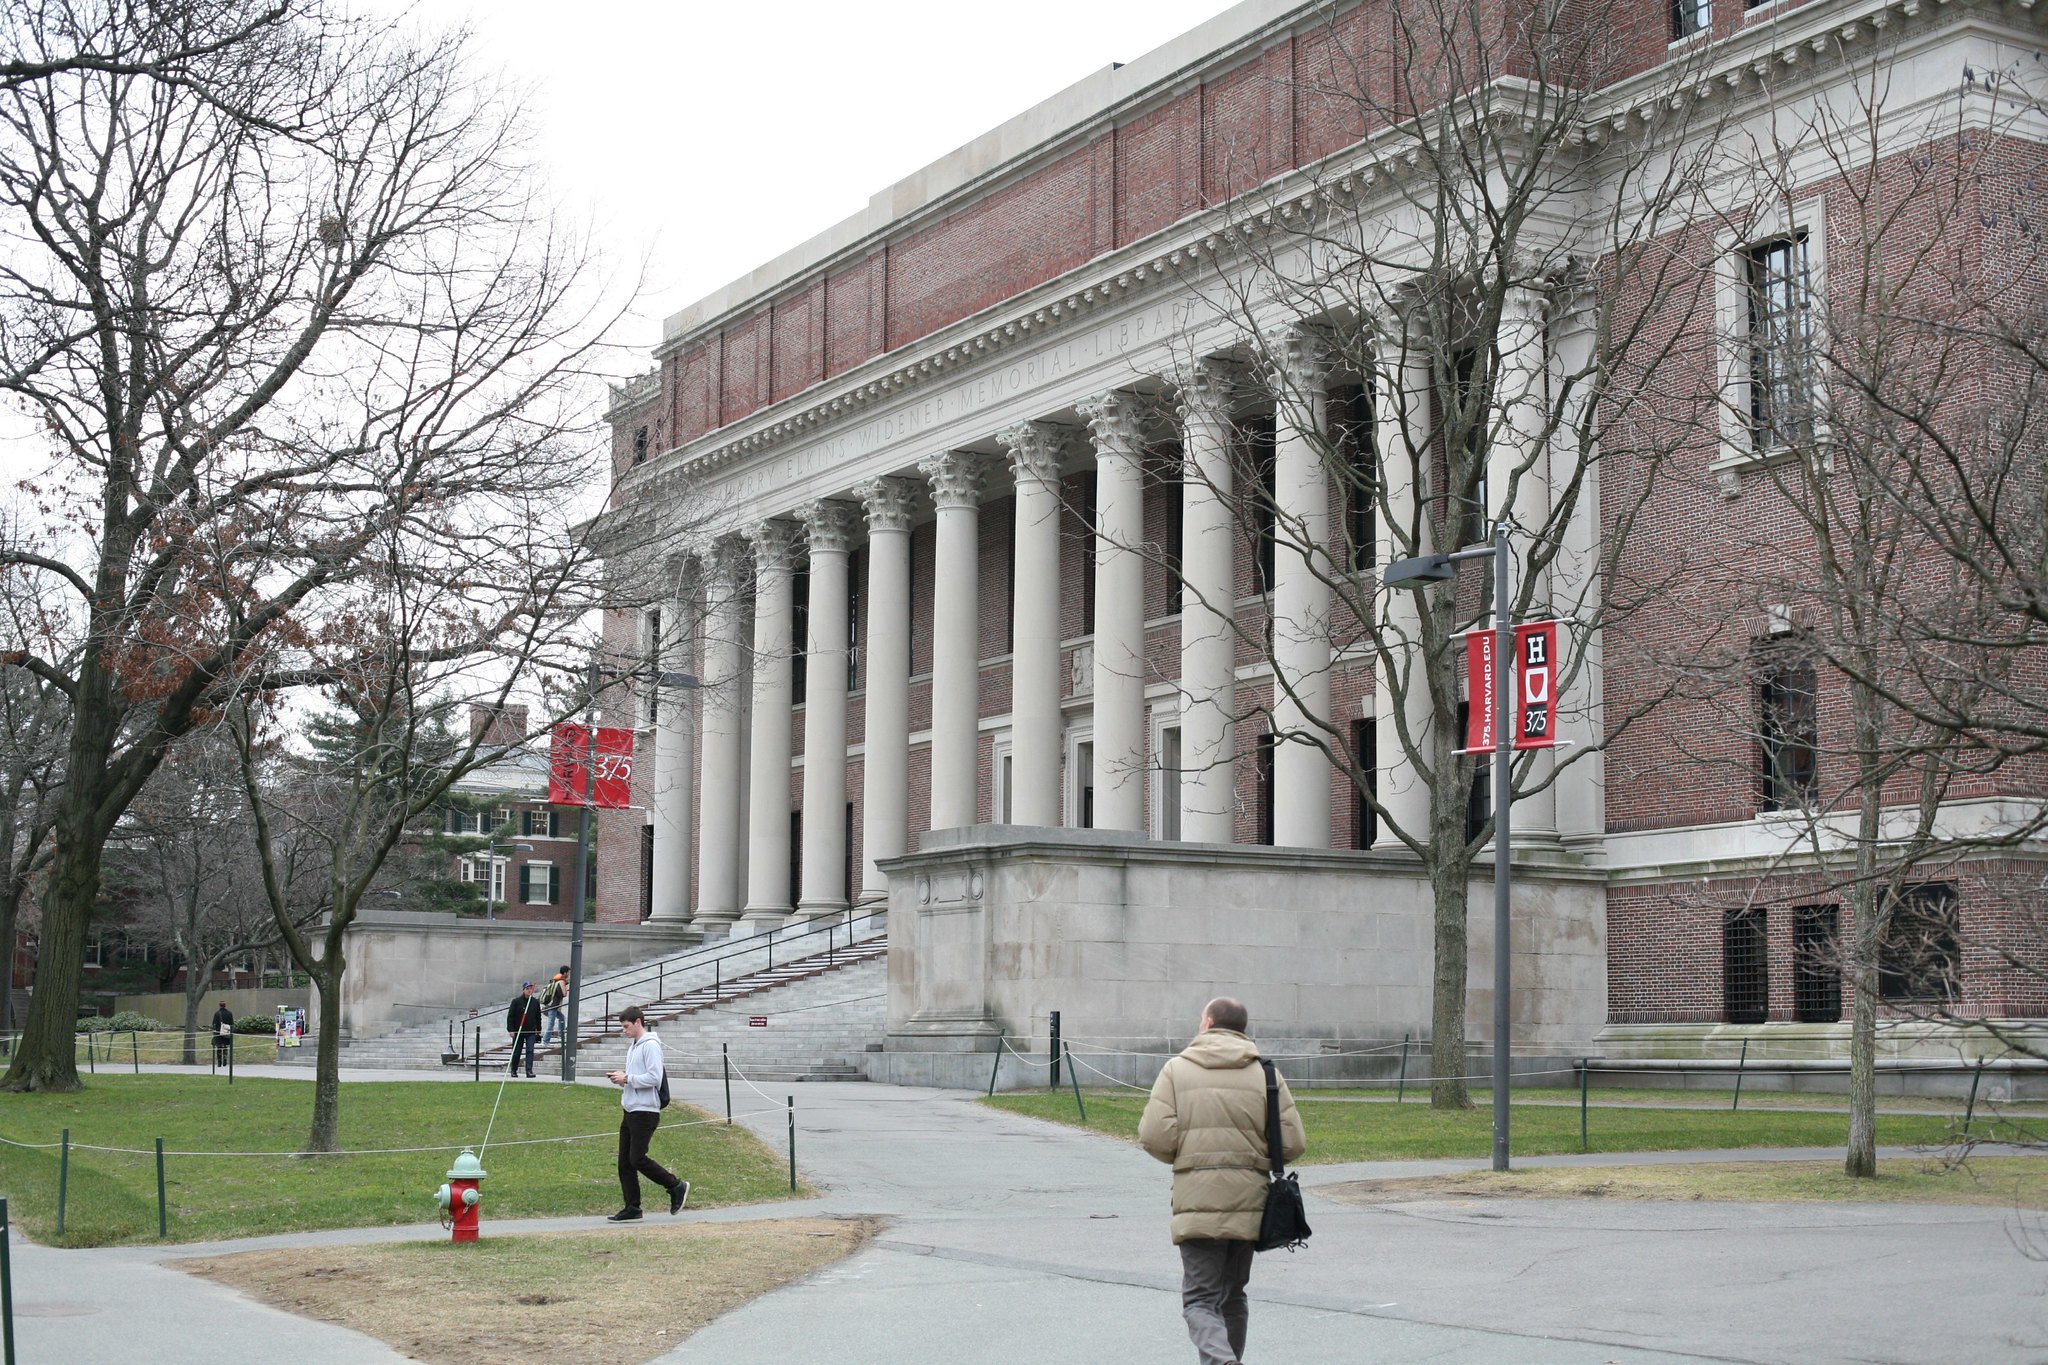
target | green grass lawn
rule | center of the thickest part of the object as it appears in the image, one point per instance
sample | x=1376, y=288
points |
x=1345, y=1130
x=112, y=1197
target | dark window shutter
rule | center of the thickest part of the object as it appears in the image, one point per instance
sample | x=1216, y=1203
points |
x=525, y=884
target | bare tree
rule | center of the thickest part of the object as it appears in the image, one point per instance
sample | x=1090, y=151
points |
x=1498, y=279
x=288, y=322
x=1900, y=558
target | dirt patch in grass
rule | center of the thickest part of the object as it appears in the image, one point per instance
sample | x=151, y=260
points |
x=613, y=1296
x=2002, y=1182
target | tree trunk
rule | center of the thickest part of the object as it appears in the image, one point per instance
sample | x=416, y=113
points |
x=327, y=1056
x=47, y=1056
x=192, y=1002
x=1447, y=1087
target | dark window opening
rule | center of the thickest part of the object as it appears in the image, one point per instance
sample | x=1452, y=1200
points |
x=1780, y=343
x=1920, y=958
x=1745, y=975
x=1788, y=730
x=1010, y=590
x=1365, y=753
x=1692, y=16
x=852, y=886
x=1091, y=511
x=1264, y=771
x=1816, y=964
x=646, y=871
x=651, y=665
x=640, y=445
x=1176, y=546
x=856, y=580
x=1472, y=493
x=1351, y=432
x=796, y=857
x=1257, y=434
x=799, y=632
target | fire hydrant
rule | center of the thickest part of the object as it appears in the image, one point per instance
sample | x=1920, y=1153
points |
x=460, y=1196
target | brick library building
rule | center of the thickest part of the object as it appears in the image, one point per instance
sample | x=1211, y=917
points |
x=1027, y=536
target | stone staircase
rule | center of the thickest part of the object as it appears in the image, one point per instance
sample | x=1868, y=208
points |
x=822, y=1009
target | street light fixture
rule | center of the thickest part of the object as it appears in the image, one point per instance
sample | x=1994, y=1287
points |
x=491, y=847
x=662, y=678
x=1420, y=573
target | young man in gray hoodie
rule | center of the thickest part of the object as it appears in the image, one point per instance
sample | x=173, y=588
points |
x=641, y=1082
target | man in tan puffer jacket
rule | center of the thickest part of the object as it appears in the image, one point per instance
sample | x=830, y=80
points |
x=1207, y=1116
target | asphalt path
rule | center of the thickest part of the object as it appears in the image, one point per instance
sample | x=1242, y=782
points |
x=1010, y=1239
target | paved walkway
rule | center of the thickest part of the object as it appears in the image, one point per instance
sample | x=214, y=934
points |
x=1014, y=1240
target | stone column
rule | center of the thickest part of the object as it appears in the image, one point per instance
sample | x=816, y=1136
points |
x=720, y=780
x=1208, y=642
x=675, y=761
x=1575, y=587
x=1519, y=458
x=1119, y=688
x=885, y=772
x=956, y=643
x=1301, y=592
x=1401, y=431
x=831, y=527
x=1035, y=731
x=768, y=795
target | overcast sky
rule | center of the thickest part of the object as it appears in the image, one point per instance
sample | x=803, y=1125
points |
x=709, y=136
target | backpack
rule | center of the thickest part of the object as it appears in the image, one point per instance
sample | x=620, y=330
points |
x=663, y=1093
x=551, y=995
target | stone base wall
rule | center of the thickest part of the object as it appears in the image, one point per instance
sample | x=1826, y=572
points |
x=993, y=927
x=407, y=967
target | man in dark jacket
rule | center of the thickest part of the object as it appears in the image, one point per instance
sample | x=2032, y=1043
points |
x=223, y=1033
x=1207, y=1116
x=522, y=1021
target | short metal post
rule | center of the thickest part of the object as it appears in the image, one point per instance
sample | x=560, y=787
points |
x=605, y=1026
x=134, y=1052
x=6, y=1287
x=660, y=978
x=63, y=1178
x=997, y=1067
x=1740, y=1063
x=792, y=1143
x=725, y=1064
x=163, y=1219
x=231, y=1059
x=1970, y=1111
x=1401, y=1086
x=1074, y=1075
x=476, y=1056
x=92, y=1048
x=1585, y=1076
x=717, y=979
x=1054, y=1048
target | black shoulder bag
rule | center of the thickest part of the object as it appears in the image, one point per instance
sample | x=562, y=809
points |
x=1286, y=1220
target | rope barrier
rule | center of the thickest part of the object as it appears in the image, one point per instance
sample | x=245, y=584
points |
x=1011, y=1048
x=750, y=1084
x=380, y=1151
x=1104, y=1074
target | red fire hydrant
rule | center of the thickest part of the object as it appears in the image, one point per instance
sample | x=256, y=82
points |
x=460, y=1196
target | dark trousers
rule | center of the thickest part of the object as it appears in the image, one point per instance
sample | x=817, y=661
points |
x=1213, y=1274
x=220, y=1049
x=636, y=1128
x=524, y=1041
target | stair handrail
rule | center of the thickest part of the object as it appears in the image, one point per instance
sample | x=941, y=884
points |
x=713, y=955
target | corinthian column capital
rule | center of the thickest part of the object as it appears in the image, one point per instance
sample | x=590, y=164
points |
x=831, y=524
x=1036, y=449
x=1204, y=390
x=955, y=477
x=1296, y=360
x=773, y=541
x=891, y=504
x=1116, y=421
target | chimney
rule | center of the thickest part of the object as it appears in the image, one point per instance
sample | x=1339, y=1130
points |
x=497, y=725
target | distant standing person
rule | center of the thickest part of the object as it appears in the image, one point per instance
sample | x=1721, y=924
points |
x=552, y=997
x=641, y=1082
x=223, y=1034
x=1207, y=1116
x=522, y=1021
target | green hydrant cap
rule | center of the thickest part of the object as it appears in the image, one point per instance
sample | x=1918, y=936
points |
x=466, y=1167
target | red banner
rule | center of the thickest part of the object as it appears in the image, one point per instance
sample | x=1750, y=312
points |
x=1479, y=684
x=1536, y=685
x=569, y=767
x=1534, y=717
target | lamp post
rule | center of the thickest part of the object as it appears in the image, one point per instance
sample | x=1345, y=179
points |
x=1419, y=573
x=586, y=828
x=491, y=869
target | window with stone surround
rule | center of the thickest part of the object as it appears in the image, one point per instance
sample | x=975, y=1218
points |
x=1690, y=17
x=1770, y=283
x=1746, y=966
x=1816, y=964
x=1788, y=727
x=540, y=884
x=1920, y=958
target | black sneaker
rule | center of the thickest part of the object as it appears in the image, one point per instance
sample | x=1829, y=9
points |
x=678, y=1195
x=625, y=1216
